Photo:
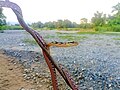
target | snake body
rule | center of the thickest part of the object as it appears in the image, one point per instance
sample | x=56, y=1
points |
x=45, y=48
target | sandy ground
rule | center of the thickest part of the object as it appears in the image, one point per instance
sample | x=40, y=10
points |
x=11, y=75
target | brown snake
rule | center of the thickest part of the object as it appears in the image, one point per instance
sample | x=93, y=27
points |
x=45, y=48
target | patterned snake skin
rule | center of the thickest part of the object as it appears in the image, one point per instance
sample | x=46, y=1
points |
x=49, y=60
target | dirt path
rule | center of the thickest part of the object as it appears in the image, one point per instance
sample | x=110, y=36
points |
x=11, y=76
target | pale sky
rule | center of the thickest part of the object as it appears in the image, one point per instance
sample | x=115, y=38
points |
x=53, y=10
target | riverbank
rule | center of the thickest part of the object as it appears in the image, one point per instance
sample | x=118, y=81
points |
x=96, y=59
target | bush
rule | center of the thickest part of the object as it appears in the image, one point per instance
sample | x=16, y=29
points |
x=11, y=28
x=2, y=27
x=102, y=29
x=14, y=28
x=116, y=28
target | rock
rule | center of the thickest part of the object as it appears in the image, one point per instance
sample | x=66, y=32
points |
x=22, y=44
x=22, y=88
x=91, y=62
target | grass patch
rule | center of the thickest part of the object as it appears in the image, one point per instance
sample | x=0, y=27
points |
x=103, y=33
x=73, y=38
x=49, y=36
x=64, y=33
x=88, y=32
x=99, y=38
x=112, y=33
x=30, y=41
x=116, y=38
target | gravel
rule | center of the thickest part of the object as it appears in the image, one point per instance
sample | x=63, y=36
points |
x=94, y=63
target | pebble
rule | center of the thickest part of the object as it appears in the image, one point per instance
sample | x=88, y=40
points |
x=22, y=88
x=94, y=63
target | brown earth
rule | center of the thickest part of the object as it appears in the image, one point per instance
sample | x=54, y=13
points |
x=12, y=76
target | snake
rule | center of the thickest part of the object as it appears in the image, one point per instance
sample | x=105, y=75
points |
x=53, y=66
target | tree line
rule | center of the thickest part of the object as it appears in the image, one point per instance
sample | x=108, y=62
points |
x=99, y=22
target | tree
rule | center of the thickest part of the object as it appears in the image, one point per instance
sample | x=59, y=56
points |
x=37, y=25
x=116, y=8
x=115, y=19
x=99, y=19
x=2, y=18
x=50, y=25
x=67, y=24
x=83, y=23
x=83, y=20
x=59, y=24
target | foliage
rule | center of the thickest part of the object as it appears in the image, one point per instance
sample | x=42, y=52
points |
x=55, y=24
x=99, y=19
x=116, y=8
x=84, y=20
x=115, y=19
x=37, y=25
x=2, y=27
x=102, y=29
x=100, y=22
x=50, y=25
x=13, y=27
x=2, y=18
x=86, y=26
x=115, y=28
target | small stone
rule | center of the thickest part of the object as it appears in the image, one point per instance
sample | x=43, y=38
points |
x=110, y=85
x=10, y=69
x=26, y=70
x=91, y=88
x=22, y=88
x=21, y=44
x=40, y=85
x=36, y=60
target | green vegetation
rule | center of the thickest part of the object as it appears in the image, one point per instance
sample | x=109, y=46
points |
x=110, y=23
x=3, y=24
x=68, y=37
x=97, y=32
x=100, y=22
x=49, y=36
x=73, y=38
x=30, y=41
x=116, y=38
x=2, y=20
x=89, y=32
x=14, y=27
x=60, y=24
x=99, y=38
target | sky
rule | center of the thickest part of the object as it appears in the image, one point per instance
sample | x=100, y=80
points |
x=53, y=10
